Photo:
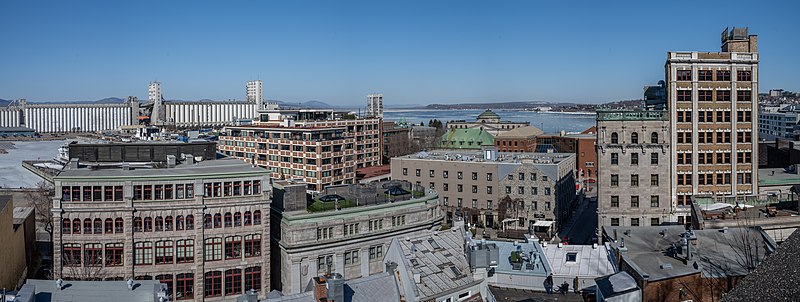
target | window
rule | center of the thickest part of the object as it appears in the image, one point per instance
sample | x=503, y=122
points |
x=213, y=284
x=325, y=263
x=654, y=138
x=445, y=187
x=143, y=253
x=248, y=218
x=324, y=233
x=184, y=286
x=148, y=224
x=164, y=252
x=705, y=75
x=723, y=96
x=474, y=189
x=614, y=138
x=444, y=174
x=743, y=96
x=634, y=138
x=684, y=96
x=351, y=229
x=431, y=173
x=109, y=226
x=66, y=226
x=93, y=254
x=252, y=245
x=87, y=226
x=654, y=201
x=168, y=223
x=252, y=278
x=212, y=249
x=634, y=159
x=488, y=176
x=654, y=180
x=520, y=190
x=489, y=190
x=615, y=158
x=614, y=221
x=654, y=221
x=217, y=220
x=233, y=281
x=459, y=175
x=546, y=191
x=634, y=221
x=743, y=75
x=634, y=201
x=351, y=257
x=189, y=222
x=257, y=217
x=614, y=180
x=418, y=172
x=405, y=171
x=376, y=252
x=72, y=254
x=654, y=158
x=684, y=75
x=184, y=251
x=159, y=223
x=166, y=279
x=704, y=95
x=615, y=201
x=228, y=220
x=723, y=75
x=572, y=257
x=233, y=247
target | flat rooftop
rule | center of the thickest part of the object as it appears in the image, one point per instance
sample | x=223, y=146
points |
x=478, y=156
x=777, y=177
x=90, y=291
x=182, y=170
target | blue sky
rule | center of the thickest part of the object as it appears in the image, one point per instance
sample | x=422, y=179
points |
x=414, y=52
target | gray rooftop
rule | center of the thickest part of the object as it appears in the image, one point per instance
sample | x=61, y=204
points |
x=535, y=257
x=616, y=284
x=22, y=213
x=90, y=291
x=377, y=287
x=590, y=261
x=440, y=261
x=715, y=253
x=203, y=169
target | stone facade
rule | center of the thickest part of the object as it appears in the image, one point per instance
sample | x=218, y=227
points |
x=202, y=228
x=350, y=241
x=633, y=151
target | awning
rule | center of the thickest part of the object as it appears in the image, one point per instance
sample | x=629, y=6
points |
x=543, y=223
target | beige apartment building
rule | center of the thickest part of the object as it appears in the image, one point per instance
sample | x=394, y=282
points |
x=319, y=147
x=712, y=100
x=495, y=189
x=633, y=152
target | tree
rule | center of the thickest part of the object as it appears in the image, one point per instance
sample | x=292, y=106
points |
x=41, y=197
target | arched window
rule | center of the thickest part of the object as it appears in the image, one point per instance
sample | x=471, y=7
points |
x=228, y=220
x=66, y=226
x=137, y=224
x=119, y=225
x=217, y=220
x=207, y=221
x=614, y=138
x=159, y=223
x=189, y=222
x=98, y=226
x=248, y=218
x=257, y=217
x=148, y=224
x=168, y=223
x=76, y=226
x=654, y=138
x=179, y=223
x=237, y=219
x=87, y=226
x=109, y=226
x=634, y=138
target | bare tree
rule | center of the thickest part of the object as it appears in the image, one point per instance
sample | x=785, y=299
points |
x=41, y=197
x=89, y=270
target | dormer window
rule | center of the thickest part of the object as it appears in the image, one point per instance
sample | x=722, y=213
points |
x=572, y=257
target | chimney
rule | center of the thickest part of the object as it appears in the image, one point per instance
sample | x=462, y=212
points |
x=329, y=288
x=73, y=163
x=171, y=161
x=189, y=159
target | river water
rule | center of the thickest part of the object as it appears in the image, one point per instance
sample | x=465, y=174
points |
x=549, y=122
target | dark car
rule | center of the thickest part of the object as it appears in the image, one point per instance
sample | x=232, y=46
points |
x=331, y=197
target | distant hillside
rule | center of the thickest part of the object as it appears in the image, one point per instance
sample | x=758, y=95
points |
x=530, y=105
x=4, y=103
x=110, y=100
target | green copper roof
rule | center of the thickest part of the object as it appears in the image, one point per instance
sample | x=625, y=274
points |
x=488, y=114
x=472, y=138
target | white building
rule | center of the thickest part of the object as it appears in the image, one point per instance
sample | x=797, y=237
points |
x=375, y=105
x=255, y=92
x=155, y=97
x=781, y=123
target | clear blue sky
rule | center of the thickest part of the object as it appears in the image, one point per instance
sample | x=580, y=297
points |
x=414, y=52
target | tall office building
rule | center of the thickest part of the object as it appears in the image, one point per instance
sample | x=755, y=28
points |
x=255, y=92
x=712, y=98
x=375, y=105
x=155, y=97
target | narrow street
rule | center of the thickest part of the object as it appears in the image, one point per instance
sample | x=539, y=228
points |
x=582, y=225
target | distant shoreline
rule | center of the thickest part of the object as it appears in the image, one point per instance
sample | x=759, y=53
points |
x=498, y=109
